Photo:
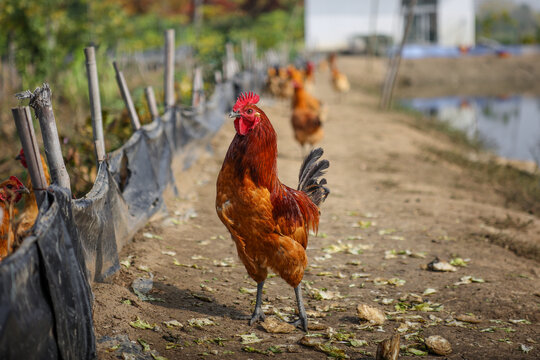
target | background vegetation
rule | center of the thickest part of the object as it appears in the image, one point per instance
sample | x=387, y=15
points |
x=43, y=40
x=507, y=22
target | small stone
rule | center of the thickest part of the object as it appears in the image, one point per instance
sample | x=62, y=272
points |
x=438, y=345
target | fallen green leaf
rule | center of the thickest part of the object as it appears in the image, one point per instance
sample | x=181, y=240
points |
x=141, y=324
x=249, y=338
x=416, y=352
x=144, y=344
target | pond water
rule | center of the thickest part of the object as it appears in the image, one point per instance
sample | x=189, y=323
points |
x=508, y=125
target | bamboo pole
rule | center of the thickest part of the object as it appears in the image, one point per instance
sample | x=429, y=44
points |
x=42, y=105
x=198, y=88
x=169, y=69
x=25, y=129
x=135, y=123
x=388, y=94
x=151, y=100
x=95, y=103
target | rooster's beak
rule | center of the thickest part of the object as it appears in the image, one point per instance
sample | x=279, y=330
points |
x=23, y=190
x=234, y=114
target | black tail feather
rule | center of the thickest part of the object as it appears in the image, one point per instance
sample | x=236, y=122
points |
x=308, y=180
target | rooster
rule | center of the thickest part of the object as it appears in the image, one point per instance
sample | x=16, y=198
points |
x=30, y=210
x=268, y=221
x=307, y=117
x=11, y=192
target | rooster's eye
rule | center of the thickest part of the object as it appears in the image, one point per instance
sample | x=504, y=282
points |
x=250, y=111
x=9, y=186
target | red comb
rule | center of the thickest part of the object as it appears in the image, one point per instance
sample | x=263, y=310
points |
x=17, y=181
x=246, y=99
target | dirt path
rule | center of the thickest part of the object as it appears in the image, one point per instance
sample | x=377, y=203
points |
x=394, y=207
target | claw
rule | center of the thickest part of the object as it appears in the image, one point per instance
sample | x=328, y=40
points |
x=302, y=322
x=258, y=314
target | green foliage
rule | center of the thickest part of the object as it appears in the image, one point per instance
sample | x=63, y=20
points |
x=518, y=24
x=45, y=39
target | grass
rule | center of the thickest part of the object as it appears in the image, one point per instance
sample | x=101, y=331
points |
x=520, y=189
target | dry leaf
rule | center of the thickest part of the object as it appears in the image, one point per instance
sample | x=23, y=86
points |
x=437, y=265
x=273, y=325
x=468, y=318
x=372, y=314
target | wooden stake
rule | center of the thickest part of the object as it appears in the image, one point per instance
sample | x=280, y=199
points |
x=218, y=77
x=151, y=100
x=25, y=129
x=198, y=88
x=394, y=68
x=135, y=123
x=230, y=62
x=244, y=48
x=95, y=103
x=388, y=349
x=169, y=69
x=42, y=105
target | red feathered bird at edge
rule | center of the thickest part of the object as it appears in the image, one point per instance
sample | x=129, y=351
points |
x=268, y=221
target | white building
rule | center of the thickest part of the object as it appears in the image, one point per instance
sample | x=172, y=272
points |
x=331, y=24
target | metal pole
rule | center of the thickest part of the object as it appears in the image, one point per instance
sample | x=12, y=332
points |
x=135, y=123
x=42, y=105
x=25, y=129
x=169, y=69
x=95, y=103
x=151, y=100
x=395, y=68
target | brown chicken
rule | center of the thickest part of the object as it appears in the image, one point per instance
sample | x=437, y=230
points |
x=307, y=117
x=11, y=192
x=310, y=76
x=30, y=211
x=273, y=81
x=268, y=221
x=340, y=81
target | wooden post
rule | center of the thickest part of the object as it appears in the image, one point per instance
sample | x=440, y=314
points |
x=245, y=54
x=151, y=100
x=218, y=77
x=135, y=123
x=25, y=129
x=388, y=349
x=95, y=103
x=42, y=105
x=198, y=88
x=169, y=69
x=230, y=61
x=394, y=66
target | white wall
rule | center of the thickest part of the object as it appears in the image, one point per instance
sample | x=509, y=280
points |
x=455, y=22
x=329, y=24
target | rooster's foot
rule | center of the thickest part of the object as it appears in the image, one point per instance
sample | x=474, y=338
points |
x=258, y=315
x=301, y=323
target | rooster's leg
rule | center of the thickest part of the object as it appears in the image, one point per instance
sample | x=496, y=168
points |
x=302, y=321
x=258, y=314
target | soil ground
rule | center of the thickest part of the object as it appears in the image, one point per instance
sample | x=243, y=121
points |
x=394, y=207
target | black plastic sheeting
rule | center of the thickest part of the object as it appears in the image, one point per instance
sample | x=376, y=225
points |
x=45, y=293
